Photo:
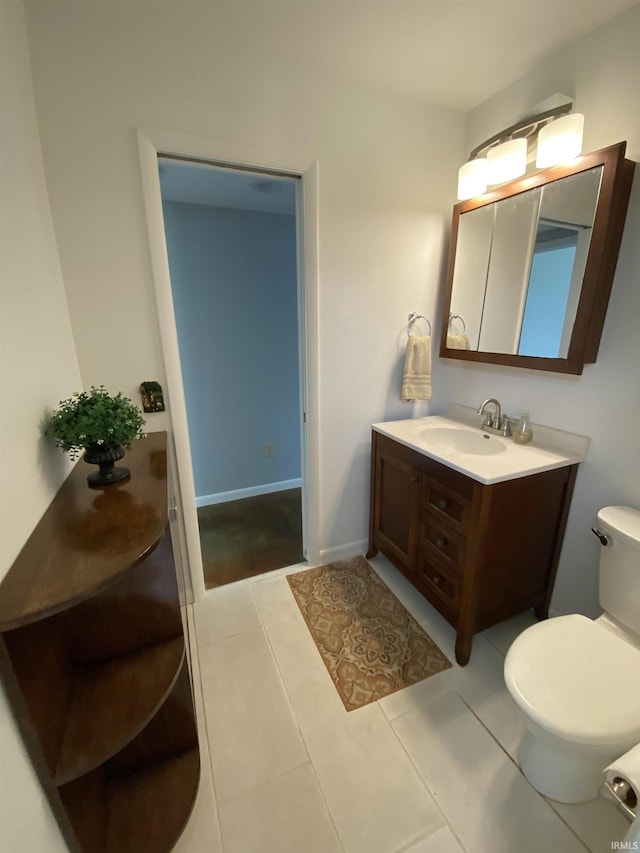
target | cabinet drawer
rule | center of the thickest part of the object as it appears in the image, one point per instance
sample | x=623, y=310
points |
x=436, y=537
x=438, y=583
x=445, y=504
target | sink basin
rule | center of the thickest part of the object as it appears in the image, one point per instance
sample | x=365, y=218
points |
x=461, y=444
x=464, y=441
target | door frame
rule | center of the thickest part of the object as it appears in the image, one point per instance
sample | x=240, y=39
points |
x=151, y=144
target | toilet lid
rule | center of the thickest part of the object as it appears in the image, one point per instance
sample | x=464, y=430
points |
x=577, y=680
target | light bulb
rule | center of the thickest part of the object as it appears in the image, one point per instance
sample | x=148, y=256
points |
x=560, y=141
x=507, y=161
x=472, y=179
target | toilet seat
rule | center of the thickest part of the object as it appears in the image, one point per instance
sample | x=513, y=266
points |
x=577, y=680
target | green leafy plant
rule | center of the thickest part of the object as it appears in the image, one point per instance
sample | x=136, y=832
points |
x=95, y=417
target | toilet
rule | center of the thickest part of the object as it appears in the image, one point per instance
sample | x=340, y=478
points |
x=577, y=680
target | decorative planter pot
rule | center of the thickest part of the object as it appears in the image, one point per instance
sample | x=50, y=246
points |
x=105, y=457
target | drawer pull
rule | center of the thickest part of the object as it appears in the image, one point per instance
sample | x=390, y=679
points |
x=437, y=579
x=414, y=479
x=443, y=503
x=440, y=543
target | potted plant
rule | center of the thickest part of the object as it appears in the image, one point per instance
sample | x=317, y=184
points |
x=103, y=425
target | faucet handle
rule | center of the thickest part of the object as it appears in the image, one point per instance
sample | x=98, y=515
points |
x=491, y=421
x=505, y=424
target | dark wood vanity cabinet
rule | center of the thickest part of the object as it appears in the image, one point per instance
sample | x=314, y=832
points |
x=93, y=659
x=479, y=553
x=397, y=505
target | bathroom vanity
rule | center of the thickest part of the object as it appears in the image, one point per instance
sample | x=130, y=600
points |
x=94, y=661
x=474, y=521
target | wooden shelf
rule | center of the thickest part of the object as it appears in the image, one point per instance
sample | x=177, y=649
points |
x=111, y=703
x=143, y=812
x=147, y=810
x=88, y=537
x=93, y=659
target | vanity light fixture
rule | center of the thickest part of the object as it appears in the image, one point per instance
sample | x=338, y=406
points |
x=560, y=141
x=472, y=178
x=507, y=161
x=556, y=134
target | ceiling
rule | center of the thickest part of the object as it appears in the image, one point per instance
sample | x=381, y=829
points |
x=455, y=53
x=452, y=53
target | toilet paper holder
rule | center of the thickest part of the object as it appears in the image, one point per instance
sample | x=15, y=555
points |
x=623, y=795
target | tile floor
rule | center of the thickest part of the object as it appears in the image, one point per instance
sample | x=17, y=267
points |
x=430, y=769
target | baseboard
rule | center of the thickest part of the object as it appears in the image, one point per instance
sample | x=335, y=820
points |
x=342, y=552
x=250, y=492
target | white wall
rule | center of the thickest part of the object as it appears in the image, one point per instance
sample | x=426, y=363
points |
x=602, y=71
x=234, y=285
x=387, y=174
x=38, y=367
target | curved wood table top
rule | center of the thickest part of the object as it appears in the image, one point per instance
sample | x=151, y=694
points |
x=88, y=537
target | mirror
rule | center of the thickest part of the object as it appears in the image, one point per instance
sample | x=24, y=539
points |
x=532, y=263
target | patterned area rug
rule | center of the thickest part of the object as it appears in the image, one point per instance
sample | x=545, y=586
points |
x=369, y=642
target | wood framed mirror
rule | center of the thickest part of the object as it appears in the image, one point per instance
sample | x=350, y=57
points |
x=532, y=262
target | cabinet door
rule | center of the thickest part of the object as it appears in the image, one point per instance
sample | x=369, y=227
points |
x=396, y=509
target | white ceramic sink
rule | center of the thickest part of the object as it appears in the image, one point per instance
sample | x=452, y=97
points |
x=458, y=440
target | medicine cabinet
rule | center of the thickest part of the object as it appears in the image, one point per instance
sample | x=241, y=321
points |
x=532, y=263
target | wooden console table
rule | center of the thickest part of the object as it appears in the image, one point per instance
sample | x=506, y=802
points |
x=92, y=655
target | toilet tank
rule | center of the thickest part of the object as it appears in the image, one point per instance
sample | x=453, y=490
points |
x=619, y=591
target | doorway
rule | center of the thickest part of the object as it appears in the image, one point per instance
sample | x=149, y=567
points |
x=233, y=246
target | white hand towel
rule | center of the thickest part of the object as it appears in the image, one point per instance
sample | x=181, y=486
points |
x=460, y=341
x=416, y=380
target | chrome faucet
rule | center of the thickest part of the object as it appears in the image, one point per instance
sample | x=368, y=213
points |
x=498, y=423
x=490, y=422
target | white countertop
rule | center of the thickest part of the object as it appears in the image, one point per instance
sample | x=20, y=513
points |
x=549, y=449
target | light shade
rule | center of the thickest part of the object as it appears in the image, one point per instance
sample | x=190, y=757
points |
x=507, y=161
x=472, y=179
x=560, y=141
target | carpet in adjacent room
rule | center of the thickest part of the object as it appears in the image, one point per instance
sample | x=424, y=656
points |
x=240, y=539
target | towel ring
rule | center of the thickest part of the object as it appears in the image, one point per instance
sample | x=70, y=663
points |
x=458, y=317
x=413, y=317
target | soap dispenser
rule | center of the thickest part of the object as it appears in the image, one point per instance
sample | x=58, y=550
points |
x=523, y=431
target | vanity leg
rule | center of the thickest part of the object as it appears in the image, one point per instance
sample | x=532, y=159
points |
x=541, y=611
x=372, y=551
x=464, y=639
